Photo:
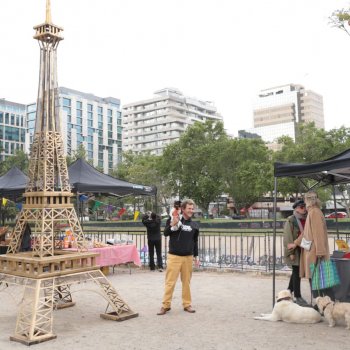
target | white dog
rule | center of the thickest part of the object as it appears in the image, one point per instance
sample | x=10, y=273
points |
x=334, y=311
x=287, y=311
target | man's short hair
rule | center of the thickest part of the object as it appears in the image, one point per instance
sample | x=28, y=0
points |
x=153, y=215
x=186, y=202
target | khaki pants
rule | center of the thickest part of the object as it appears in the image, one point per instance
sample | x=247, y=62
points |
x=178, y=265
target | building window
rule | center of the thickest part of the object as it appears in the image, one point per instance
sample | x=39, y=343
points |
x=66, y=102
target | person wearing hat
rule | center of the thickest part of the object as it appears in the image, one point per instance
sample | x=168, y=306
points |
x=293, y=228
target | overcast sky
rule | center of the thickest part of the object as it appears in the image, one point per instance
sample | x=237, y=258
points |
x=224, y=51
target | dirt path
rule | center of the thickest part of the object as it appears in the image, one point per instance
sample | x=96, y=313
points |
x=225, y=302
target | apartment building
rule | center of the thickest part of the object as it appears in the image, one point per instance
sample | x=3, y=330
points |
x=150, y=125
x=95, y=122
x=278, y=110
x=13, y=128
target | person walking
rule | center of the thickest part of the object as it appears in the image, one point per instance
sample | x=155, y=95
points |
x=183, y=249
x=154, y=240
x=293, y=228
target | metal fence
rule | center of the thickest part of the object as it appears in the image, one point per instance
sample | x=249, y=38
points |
x=229, y=250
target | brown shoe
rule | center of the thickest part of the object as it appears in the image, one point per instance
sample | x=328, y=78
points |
x=163, y=310
x=189, y=309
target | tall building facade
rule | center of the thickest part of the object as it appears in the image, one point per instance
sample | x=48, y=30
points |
x=150, y=125
x=278, y=110
x=13, y=128
x=91, y=121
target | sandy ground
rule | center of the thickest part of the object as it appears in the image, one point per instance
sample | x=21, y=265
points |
x=225, y=302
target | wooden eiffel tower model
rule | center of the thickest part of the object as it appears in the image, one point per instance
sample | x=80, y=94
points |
x=46, y=272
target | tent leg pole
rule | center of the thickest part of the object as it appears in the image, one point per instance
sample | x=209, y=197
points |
x=155, y=204
x=274, y=244
x=336, y=212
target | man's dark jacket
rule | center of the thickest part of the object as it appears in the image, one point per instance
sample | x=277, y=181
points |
x=184, y=241
x=153, y=227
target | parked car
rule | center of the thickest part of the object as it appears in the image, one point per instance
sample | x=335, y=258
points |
x=340, y=215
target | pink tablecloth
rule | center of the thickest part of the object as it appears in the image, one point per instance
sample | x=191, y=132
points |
x=116, y=254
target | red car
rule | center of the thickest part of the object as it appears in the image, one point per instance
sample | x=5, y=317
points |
x=340, y=215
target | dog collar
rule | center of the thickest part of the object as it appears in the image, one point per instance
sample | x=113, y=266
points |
x=285, y=298
x=331, y=302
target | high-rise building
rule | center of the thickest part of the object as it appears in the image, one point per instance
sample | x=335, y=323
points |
x=92, y=121
x=278, y=110
x=12, y=128
x=150, y=125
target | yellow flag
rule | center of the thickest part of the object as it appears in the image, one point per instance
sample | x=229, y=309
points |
x=4, y=201
x=136, y=214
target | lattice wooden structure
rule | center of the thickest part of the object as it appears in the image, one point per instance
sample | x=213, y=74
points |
x=47, y=271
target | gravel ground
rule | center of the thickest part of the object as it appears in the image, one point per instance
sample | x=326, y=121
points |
x=225, y=302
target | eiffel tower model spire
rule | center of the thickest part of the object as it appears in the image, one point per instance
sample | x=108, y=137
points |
x=48, y=192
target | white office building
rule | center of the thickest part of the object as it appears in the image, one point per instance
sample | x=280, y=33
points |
x=93, y=121
x=151, y=124
x=278, y=110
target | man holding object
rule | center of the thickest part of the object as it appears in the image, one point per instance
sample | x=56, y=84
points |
x=183, y=249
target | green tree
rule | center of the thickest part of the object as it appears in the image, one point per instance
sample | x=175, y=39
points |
x=340, y=19
x=79, y=153
x=311, y=145
x=192, y=166
x=143, y=169
x=247, y=171
x=19, y=159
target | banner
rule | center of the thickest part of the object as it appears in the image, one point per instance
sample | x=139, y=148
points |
x=109, y=208
x=121, y=211
x=136, y=214
x=96, y=205
x=19, y=206
x=83, y=198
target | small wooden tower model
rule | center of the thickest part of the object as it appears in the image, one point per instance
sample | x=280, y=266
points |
x=46, y=272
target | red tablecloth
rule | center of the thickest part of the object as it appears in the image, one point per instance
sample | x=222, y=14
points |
x=116, y=254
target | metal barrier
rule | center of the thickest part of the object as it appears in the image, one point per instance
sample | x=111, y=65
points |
x=229, y=250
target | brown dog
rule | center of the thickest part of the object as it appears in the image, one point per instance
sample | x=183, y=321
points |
x=334, y=311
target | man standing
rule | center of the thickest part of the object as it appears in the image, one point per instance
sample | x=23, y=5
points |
x=154, y=240
x=183, y=248
x=293, y=228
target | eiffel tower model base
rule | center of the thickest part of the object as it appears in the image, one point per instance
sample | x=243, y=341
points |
x=42, y=295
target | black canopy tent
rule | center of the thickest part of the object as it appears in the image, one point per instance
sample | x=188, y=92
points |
x=332, y=171
x=84, y=177
x=12, y=186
